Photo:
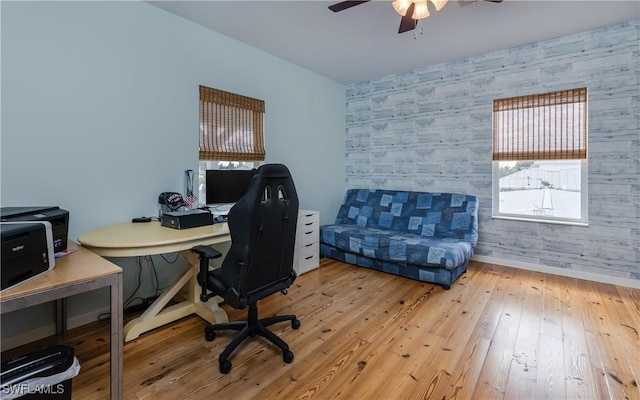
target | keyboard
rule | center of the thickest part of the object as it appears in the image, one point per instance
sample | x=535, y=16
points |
x=219, y=219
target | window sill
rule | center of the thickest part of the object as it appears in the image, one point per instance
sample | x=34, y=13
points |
x=543, y=221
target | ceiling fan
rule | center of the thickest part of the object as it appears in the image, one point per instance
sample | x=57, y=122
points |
x=405, y=8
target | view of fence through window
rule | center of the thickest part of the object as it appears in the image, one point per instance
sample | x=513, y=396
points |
x=540, y=188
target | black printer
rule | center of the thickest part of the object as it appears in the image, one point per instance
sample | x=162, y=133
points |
x=27, y=251
x=58, y=218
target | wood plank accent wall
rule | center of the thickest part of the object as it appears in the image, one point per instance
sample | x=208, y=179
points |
x=430, y=129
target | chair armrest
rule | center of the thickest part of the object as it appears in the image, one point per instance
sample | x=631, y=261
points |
x=205, y=253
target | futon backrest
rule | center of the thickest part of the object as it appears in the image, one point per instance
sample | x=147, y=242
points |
x=443, y=215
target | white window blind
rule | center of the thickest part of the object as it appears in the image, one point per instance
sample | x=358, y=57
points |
x=549, y=126
x=231, y=126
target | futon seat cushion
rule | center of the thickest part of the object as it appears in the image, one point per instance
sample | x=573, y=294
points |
x=398, y=246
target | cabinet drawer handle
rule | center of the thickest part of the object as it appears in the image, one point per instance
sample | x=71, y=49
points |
x=308, y=258
x=308, y=233
x=309, y=223
x=309, y=245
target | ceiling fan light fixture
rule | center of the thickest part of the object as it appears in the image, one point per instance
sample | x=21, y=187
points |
x=401, y=6
x=421, y=10
x=439, y=4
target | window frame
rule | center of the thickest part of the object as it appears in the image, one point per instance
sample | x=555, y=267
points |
x=231, y=131
x=584, y=196
x=525, y=128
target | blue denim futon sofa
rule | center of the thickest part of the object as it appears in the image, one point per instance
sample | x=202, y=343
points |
x=425, y=236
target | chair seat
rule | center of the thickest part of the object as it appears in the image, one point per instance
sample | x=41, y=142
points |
x=215, y=284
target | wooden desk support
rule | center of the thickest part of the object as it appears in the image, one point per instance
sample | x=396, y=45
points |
x=141, y=239
x=78, y=272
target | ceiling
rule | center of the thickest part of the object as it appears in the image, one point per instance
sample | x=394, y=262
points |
x=362, y=42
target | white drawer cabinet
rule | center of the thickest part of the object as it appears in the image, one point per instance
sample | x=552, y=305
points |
x=307, y=251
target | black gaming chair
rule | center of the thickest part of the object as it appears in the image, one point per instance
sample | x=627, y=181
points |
x=260, y=261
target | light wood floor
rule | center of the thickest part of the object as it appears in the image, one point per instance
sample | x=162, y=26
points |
x=499, y=333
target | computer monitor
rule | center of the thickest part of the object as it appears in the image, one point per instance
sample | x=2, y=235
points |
x=226, y=186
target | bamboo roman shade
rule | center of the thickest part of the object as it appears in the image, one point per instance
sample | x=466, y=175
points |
x=231, y=126
x=549, y=126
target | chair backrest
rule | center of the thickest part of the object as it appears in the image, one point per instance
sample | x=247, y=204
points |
x=263, y=231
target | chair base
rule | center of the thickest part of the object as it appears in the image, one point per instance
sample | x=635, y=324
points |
x=250, y=328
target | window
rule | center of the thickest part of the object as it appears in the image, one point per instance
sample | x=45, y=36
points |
x=540, y=157
x=231, y=132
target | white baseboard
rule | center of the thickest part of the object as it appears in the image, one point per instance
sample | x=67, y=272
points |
x=49, y=330
x=559, y=271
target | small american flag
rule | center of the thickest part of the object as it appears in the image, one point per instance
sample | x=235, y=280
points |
x=191, y=199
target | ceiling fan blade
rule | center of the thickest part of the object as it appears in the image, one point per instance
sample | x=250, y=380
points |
x=467, y=2
x=343, y=5
x=407, y=23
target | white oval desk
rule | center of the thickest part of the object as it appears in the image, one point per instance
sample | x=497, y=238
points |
x=147, y=238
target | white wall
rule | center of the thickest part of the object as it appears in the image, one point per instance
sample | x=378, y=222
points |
x=100, y=114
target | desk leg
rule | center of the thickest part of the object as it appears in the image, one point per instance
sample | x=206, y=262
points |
x=209, y=311
x=158, y=314
x=117, y=385
x=61, y=316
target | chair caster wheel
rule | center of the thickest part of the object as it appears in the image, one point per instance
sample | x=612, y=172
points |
x=209, y=335
x=225, y=366
x=287, y=356
x=295, y=324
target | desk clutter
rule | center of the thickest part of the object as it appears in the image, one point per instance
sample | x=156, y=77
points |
x=174, y=213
